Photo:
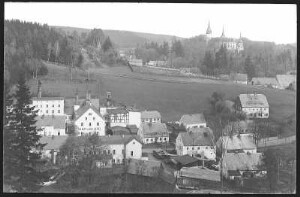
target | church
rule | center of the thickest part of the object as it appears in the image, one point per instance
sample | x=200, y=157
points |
x=231, y=44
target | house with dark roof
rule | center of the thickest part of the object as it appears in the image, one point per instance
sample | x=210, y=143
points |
x=253, y=105
x=52, y=147
x=241, y=164
x=88, y=120
x=153, y=132
x=122, y=147
x=242, y=143
x=51, y=125
x=197, y=142
x=193, y=121
x=150, y=116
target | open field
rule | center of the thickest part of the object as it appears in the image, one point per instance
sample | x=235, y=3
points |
x=170, y=95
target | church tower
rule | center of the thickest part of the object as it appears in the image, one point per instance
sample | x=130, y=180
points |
x=223, y=33
x=208, y=32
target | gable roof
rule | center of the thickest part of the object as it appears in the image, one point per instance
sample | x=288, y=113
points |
x=192, y=119
x=185, y=159
x=148, y=168
x=47, y=98
x=236, y=142
x=150, y=114
x=253, y=100
x=84, y=109
x=118, y=139
x=242, y=161
x=58, y=122
x=196, y=138
x=54, y=142
x=285, y=80
x=70, y=102
x=117, y=111
x=154, y=129
x=198, y=172
x=264, y=81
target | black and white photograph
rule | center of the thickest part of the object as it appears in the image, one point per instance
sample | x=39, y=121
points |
x=156, y=98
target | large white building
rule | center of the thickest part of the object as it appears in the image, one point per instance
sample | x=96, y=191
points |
x=122, y=147
x=49, y=105
x=193, y=121
x=153, y=132
x=51, y=125
x=197, y=142
x=254, y=105
x=88, y=120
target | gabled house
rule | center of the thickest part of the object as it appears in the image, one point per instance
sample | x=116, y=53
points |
x=88, y=120
x=193, y=121
x=122, y=147
x=150, y=116
x=51, y=125
x=241, y=164
x=153, y=132
x=265, y=81
x=197, y=143
x=253, y=105
x=242, y=143
x=284, y=81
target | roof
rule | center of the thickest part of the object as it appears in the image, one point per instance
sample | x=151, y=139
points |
x=118, y=130
x=242, y=161
x=185, y=159
x=118, y=139
x=84, y=108
x=239, y=77
x=192, y=119
x=70, y=102
x=195, y=138
x=244, y=141
x=285, y=80
x=47, y=98
x=198, y=172
x=150, y=114
x=253, y=100
x=58, y=122
x=132, y=128
x=208, y=30
x=237, y=126
x=264, y=81
x=117, y=111
x=54, y=142
x=148, y=168
x=154, y=129
x=167, y=174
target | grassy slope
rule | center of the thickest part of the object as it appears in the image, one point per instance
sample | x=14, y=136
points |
x=171, y=99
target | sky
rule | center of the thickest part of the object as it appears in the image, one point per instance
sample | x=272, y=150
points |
x=261, y=22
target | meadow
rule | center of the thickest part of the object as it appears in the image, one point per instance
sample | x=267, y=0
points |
x=172, y=96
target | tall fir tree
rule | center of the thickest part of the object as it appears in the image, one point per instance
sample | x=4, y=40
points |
x=22, y=151
x=249, y=68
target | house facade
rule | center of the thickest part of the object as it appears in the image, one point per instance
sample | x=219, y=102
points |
x=88, y=121
x=150, y=116
x=153, y=132
x=193, y=121
x=51, y=125
x=117, y=117
x=122, y=147
x=49, y=105
x=196, y=144
x=253, y=105
x=135, y=118
x=265, y=81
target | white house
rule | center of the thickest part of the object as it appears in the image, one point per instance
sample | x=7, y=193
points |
x=49, y=105
x=242, y=143
x=153, y=132
x=117, y=117
x=122, y=147
x=193, y=121
x=88, y=120
x=150, y=116
x=254, y=105
x=135, y=118
x=196, y=143
x=51, y=125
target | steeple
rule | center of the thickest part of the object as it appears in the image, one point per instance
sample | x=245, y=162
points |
x=208, y=30
x=223, y=33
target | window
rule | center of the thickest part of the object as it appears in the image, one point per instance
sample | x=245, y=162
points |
x=131, y=153
x=58, y=133
x=41, y=105
x=46, y=105
x=97, y=123
x=133, y=142
x=52, y=111
x=90, y=124
x=58, y=111
x=123, y=151
x=85, y=118
x=123, y=160
x=93, y=118
x=53, y=105
x=82, y=124
x=206, y=147
x=58, y=105
x=114, y=152
x=187, y=148
x=113, y=160
x=46, y=111
x=192, y=148
x=118, y=160
x=198, y=147
x=146, y=140
x=165, y=139
x=108, y=151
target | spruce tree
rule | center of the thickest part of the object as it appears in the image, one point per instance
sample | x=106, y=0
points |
x=21, y=154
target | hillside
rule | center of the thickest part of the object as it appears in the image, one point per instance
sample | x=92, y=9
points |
x=123, y=39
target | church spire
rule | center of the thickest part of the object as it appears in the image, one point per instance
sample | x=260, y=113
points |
x=223, y=33
x=208, y=30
